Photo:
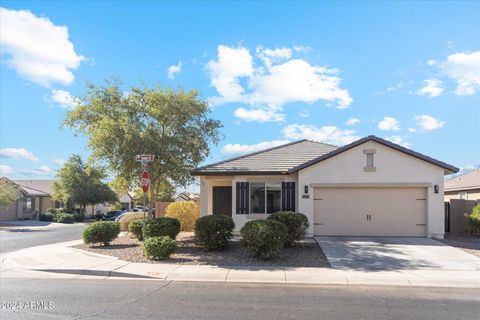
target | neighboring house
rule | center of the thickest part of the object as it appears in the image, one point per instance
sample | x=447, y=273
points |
x=127, y=201
x=186, y=196
x=465, y=187
x=371, y=187
x=33, y=197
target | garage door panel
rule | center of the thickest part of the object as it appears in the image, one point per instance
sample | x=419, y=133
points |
x=370, y=211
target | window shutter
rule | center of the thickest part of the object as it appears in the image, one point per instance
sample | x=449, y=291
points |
x=288, y=196
x=242, y=196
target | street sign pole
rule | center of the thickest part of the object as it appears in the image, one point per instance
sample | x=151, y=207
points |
x=145, y=159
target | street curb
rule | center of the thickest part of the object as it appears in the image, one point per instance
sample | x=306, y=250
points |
x=99, y=273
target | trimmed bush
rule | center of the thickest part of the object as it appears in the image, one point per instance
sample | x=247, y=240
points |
x=101, y=232
x=473, y=220
x=136, y=228
x=296, y=224
x=131, y=216
x=79, y=217
x=187, y=212
x=65, y=218
x=214, y=231
x=263, y=239
x=64, y=210
x=163, y=227
x=51, y=210
x=47, y=216
x=159, y=247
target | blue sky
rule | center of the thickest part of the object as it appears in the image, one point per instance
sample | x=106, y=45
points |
x=273, y=72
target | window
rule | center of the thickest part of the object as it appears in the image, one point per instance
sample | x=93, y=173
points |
x=370, y=165
x=27, y=204
x=265, y=197
x=463, y=195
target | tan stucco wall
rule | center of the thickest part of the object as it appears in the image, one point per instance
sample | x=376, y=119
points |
x=473, y=194
x=392, y=167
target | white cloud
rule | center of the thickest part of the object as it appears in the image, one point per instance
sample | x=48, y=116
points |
x=269, y=56
x=412, y=130
x=399, y=140
x=17, y=153
x=431, y=87
x=389, y=123
x=232, y=64
x=277, y=80
x=43, y=170
x=246, y=148
x=59, y=162
x=327, y=134
x=427, y=122
x=64, y=99
x=5, y=170
x=431, y=62
x=352, y=121
x=464, y=69
x=38, y=50
x=174, y=69
x=259, y=114
x=396, y=87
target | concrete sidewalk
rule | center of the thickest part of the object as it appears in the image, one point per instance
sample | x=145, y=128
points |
x=61, y=261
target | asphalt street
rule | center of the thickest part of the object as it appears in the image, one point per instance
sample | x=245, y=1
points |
x=16, y=238
x=140, y=299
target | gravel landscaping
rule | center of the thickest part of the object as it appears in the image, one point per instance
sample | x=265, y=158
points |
x=304, y=254
x=467, y=243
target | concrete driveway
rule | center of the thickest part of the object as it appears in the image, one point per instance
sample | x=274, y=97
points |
x=395, y=253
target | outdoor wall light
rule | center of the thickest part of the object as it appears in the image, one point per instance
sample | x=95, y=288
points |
x=435, y=188
x=305, y=189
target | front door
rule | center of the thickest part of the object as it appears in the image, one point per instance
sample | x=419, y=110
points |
x=222, y=200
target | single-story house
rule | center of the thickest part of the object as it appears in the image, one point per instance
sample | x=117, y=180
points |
x=370, y=187
x=33, y=196
x=127, y=201
x=465, y=187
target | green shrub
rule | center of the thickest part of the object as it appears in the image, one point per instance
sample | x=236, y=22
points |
x=101, y=232
x=47, y=216
x=187, y=212
x=136, y=228
x=296, y=224
x=64, y=210
x=163, y=227
x=214, y=231
x=264, y=239
x=79, y=217
x=159, y=247
x=65, y=218
x=473, y=220
x=51, y=210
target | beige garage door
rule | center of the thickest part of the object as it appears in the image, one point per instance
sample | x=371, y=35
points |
x=370, y=211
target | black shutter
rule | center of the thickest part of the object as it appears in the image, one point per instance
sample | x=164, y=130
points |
x=288, y=196
x=242, y=202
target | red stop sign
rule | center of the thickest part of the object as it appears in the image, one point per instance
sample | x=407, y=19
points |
x=145, y=181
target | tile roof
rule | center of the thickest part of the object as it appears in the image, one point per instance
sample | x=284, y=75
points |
x=36, y=187
x=275, y=160
x=292, y=157
x=469, y=180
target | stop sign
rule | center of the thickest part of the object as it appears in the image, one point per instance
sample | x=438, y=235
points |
x=145, y=181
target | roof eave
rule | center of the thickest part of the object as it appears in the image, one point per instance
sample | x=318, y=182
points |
x=238, y=173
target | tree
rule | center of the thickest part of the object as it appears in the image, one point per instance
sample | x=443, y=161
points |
x=82, y=184
x=8, y=193
x=172, y=125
